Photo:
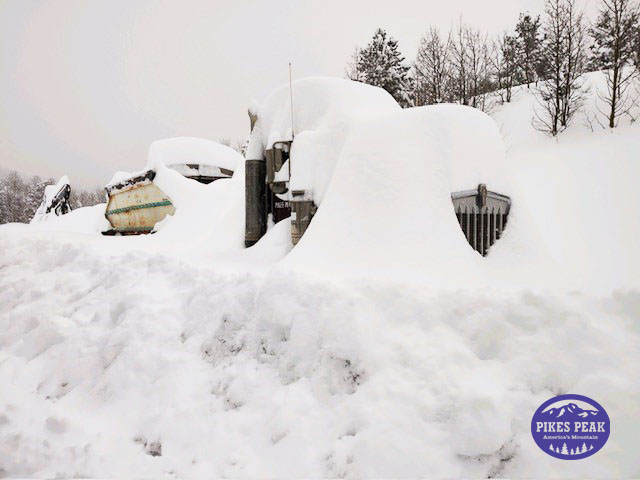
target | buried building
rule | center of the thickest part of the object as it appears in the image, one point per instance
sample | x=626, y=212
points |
x=426, y=156
x=136, y=203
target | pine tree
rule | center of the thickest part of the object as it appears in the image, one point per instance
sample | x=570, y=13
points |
x=551, y=447
x=613, y=37
x=528, y=41
x=381, y=64
x=505, y=65
x=564, y=450
x=584, y=447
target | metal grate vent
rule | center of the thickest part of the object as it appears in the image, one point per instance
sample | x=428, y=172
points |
x=482, y=215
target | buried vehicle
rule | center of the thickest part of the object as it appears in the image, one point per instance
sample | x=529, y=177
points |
x=136, y=204
x=55, y=201
x=337, y=124
x=289, y=163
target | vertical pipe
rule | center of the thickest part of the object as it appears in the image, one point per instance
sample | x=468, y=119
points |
x=255, y=201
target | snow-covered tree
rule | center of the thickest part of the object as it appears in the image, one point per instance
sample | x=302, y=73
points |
x=380, y=63
x=561, y=93
x=613, y=50
x=13, y=199
x=528, y=43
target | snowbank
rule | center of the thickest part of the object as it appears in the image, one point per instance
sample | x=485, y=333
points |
x=381, y=346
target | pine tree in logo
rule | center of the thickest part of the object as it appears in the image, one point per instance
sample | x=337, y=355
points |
x=584, y=447
x=564, y=450
x=571, y=452
x=551, y=448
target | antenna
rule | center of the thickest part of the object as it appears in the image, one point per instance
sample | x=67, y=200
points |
x=291, y=97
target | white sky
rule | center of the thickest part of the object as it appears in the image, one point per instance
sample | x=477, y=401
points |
x=87, y=85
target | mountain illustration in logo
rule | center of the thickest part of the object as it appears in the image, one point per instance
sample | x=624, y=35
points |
x=571, y=411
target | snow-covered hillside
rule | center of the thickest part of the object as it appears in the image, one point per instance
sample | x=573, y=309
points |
x=381, y=346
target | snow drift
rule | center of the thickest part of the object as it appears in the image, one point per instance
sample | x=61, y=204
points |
x=381, y=346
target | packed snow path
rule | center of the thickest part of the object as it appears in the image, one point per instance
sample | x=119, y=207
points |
x=139, y=365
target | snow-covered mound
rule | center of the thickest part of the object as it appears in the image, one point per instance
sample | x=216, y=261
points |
x=324, y=112
x=388, y=210
x=180, y=354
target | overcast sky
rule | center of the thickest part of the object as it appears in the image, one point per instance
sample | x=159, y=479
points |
x=87, y=85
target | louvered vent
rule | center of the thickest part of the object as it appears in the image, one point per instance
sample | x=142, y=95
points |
x=482, y=215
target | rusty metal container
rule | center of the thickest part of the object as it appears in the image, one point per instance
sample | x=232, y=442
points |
x=136, y=205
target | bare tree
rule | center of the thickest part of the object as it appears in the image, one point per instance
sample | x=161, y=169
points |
x=613, y=50
x=432, y=68
x=478, y=69
x=470, y=67
x=459, y=64
x=352, y=70
x=562, y=92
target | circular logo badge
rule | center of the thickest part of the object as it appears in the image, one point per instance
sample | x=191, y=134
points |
x=570, y=427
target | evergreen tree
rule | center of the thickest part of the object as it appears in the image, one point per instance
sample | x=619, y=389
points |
x=564, y=450
x=381, y=64
x=528, y=41
x=505, y=65
x=613, y=50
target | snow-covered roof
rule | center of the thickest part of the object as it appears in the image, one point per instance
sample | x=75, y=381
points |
x=192, y=150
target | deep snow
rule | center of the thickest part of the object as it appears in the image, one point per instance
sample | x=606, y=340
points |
x=382, y=345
